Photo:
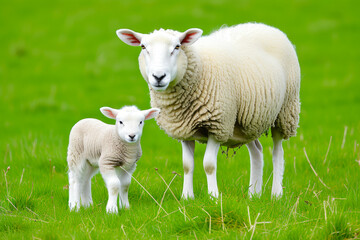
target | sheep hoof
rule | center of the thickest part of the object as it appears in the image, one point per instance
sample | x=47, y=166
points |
x=74, y=206
x=187, y=195
x=276, y=193
x=87, y=204
x=112, y=209
x=254, y=193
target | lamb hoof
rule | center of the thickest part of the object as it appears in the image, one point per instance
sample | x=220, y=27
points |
x=74, y=206
x=253, y=194
x=276, y=192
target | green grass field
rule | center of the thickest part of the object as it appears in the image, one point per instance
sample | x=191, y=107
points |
x=60, y=61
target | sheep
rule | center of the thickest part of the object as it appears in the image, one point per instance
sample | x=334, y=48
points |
x=224, y=89
x=112, y=149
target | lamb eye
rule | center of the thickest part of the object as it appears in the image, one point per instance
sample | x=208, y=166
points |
x=142, y=46
x=141, y=122
x=121, y=122
x=177, y=47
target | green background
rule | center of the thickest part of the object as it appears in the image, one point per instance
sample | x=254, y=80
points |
x=60, y=61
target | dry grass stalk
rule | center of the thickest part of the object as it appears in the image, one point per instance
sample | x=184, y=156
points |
x=317, y=194
x=248, y=210
x=145, y=190
x=344, y=138
x=327, y=152
x=162, y=199
x=11, y=203
x=195, y=235
x=178, y=210
x=22, y=175
x=34, y=148
x=32, y=212
x=6, y=182
x=209, y=220
x=267, y=181
x=32, y=188
x=122, y=228
x=307, y=189
x=307, y=158
x=168, y=187
x=253, y=226
x=222, y=213
x=294, y=208
x=31, y=219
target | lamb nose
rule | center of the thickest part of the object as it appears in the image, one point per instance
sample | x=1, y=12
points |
x=159, y=78
x=132, y=136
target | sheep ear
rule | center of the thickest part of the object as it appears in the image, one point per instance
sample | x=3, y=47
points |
x=109, y=112
x=129, y=37
x=190, y=36
x=151, y=113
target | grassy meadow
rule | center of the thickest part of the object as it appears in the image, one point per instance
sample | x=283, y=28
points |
x=60, y=61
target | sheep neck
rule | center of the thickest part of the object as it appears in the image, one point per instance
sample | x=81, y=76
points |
x=186, y=108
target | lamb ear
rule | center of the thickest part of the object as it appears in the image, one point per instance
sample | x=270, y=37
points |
x=129, y=37
x=190, y=36
x=151, y=113
x=109, y=112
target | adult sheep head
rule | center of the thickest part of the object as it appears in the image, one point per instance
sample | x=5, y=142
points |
x=162, y=60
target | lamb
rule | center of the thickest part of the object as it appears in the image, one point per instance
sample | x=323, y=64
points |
x=227, y=88
x=94, y=145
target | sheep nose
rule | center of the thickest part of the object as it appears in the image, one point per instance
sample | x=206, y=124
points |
x=132, y=137
x=157, y=78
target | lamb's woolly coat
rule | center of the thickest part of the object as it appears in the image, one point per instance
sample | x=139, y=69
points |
x=239, y=82
x=100, y=144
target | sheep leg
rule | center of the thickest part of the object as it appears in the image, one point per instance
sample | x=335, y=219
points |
x=113, y=185
x=125, y=180
x=87, y=173
x=278, y=163
x=256, y=167
x=210, y=160
x=188, y=165
x=74, y=191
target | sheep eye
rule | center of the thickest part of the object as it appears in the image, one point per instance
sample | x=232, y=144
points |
x=177, y=47
x=141, y=122
x=121, y=122
x=142, y=46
